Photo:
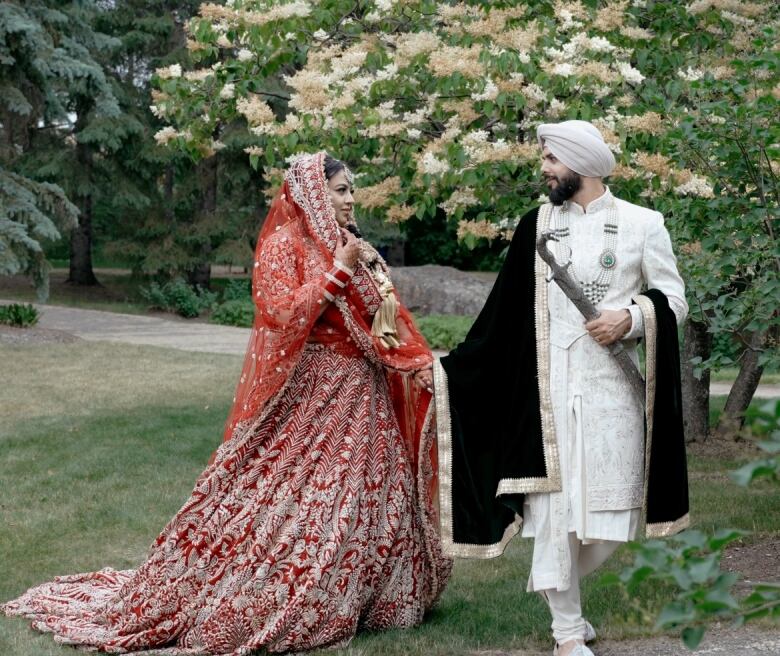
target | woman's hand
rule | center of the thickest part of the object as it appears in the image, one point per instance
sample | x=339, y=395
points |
x=424, y=379
x=347, y=251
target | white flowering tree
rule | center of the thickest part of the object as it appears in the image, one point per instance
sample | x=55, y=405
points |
x=435, y=104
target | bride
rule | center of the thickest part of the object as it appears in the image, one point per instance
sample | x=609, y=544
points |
x=316, y=516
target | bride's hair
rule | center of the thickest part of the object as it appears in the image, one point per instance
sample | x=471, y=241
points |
x=332, y=167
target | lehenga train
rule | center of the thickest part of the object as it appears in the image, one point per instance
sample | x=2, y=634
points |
x=305, y=527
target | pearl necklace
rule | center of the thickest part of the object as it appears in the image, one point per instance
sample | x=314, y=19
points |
x=595, y=290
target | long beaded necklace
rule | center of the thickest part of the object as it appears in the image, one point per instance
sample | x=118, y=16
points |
x=595, y=290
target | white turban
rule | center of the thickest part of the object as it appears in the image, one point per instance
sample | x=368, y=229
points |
x=579, y=145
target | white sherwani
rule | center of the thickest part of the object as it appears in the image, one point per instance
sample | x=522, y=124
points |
x=599, y=424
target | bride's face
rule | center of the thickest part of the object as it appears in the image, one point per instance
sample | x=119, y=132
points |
x=341, y=197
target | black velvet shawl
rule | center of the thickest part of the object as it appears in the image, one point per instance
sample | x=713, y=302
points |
x=490, y=422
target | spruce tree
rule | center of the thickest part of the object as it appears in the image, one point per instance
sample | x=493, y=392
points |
x=39, y=58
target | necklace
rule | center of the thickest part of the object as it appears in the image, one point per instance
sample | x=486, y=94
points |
x=595, y=290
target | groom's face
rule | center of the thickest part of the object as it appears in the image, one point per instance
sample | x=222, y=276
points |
x=561, y=181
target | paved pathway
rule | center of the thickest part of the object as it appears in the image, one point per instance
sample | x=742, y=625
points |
x=96, y=325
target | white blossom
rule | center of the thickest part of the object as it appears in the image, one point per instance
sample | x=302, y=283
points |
x=432, y=165
x=387, y=73
x=563, y=69
x=629, y=73
x=174, y=70
x=415, y=117
x=600, y=44
x=568, y=22
x=295, y=157
x=372, y=17
x=413, y=133
x=524, y=57
x=690, y=74
x=245, y=55
x=320, y=35
x=535, y=92
x=696, y=186
x=490, y=92
x=737, y=19
x=165, y=135
x=384, y=5
x=386, y=110
x=228, y=91
x=557, y=107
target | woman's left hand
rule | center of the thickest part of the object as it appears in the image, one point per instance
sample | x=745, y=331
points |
x=424, y=378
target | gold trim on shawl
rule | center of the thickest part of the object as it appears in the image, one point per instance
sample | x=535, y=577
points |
x=660, y=529
x=525, y=485
x=444, y=438
x=551, y=482
x=666, y=529
x=647, y=309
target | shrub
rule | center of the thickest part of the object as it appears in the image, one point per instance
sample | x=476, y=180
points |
x=235, y=312
x=177, y=296
x=444, y=331
x=17, y=314
x=239, y=289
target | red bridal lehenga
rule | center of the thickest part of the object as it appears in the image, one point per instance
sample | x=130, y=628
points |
x=317, y=515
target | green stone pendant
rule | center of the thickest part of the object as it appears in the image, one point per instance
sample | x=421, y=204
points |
x=607, y=259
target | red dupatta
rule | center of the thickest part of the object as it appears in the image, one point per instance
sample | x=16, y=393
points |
x=294, y=251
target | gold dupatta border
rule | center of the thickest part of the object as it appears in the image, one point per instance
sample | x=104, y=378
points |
x=444, y=439
x=659, y=529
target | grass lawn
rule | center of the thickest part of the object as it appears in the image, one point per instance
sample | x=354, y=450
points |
x=100, y=445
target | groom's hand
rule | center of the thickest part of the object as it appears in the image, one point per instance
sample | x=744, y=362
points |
x=609, y=326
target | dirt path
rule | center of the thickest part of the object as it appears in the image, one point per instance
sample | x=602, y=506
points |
x=718, y=641
x=96, y=325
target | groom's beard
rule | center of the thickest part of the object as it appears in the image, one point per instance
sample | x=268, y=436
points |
x=566, y=188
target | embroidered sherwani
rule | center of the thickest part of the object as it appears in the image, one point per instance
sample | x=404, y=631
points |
x=599, y=423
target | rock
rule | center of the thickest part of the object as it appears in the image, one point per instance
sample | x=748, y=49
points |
x=434, y=289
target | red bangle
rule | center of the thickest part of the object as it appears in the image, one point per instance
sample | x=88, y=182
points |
x=337, y=279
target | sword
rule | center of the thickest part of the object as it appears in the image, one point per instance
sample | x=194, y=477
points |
x=569, y=286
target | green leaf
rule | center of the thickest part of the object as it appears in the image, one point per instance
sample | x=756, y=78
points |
x=692, y=635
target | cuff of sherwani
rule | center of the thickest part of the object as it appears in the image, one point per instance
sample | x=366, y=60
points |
x=637, y=329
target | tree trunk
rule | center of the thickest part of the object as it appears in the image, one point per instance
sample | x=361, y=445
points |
x=733, y=417
x=696, y=391
x=395, y=252
x=81, y=272
x=208, y=171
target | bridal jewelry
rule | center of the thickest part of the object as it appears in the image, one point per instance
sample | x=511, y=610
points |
x=595, y=290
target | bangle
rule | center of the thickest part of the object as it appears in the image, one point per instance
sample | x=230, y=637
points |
x=337, y=279
x=343, y=268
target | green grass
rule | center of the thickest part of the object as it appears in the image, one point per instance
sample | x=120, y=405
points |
x=100, y=444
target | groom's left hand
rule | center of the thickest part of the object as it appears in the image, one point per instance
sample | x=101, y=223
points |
x=609, y=326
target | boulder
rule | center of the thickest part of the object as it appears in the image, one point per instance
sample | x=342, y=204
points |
x=434, y=289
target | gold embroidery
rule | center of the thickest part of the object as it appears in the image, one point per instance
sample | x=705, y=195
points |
x=530, y=484
x=444, y=437
x=551, y=482
x=665, y=529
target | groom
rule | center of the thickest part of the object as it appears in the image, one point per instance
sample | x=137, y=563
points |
x=538, y=427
